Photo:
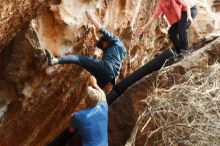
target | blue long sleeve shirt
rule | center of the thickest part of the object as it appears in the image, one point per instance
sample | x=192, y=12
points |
x=115, y=54
x=92, y=124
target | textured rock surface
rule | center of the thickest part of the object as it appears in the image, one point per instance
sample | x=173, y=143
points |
x=36, y=101
x=14, y=14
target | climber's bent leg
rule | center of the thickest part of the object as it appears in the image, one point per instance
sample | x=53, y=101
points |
x=98, y=68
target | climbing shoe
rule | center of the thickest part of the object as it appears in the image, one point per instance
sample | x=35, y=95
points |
x=51, y=59
x=183, y=54
x=172, y=59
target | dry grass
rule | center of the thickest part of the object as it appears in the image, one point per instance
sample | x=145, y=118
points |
x=187, y=114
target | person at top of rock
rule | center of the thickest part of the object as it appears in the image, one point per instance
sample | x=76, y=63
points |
x=92, y=122
x=108, y=68
x=180, y=14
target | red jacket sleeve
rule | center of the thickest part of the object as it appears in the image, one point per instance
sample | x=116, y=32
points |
x=157, y=11
x=183, y=3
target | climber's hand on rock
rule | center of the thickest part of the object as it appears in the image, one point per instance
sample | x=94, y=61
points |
x=90, y=14
x=93, y=29
x=94, y=20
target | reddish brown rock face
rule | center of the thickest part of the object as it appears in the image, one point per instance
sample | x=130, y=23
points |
x=37, y=101
x=13, y=16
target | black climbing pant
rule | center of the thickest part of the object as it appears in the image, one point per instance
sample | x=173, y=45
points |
x=165, y=58
x=178, y=32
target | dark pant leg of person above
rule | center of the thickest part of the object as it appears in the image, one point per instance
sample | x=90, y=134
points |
x=173, y=35
x=178, y=32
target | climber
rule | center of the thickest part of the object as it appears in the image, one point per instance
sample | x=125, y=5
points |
x=92, y=122
x=180, y=14
x=105, y=70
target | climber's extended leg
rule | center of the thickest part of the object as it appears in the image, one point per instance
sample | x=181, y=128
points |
x=98, y=68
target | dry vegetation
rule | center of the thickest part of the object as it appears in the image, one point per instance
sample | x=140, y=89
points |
x=186, y=114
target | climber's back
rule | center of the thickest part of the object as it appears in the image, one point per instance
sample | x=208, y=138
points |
x=92, y=125
x=92, y=122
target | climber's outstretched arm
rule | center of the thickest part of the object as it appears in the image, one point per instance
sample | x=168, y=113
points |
x=95, y=21
x=93, y=29
x=109, y=36
x=157, y=13
x=146, y=27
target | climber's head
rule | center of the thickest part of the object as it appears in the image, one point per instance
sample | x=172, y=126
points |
x=93, y=96
x=103, y=43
